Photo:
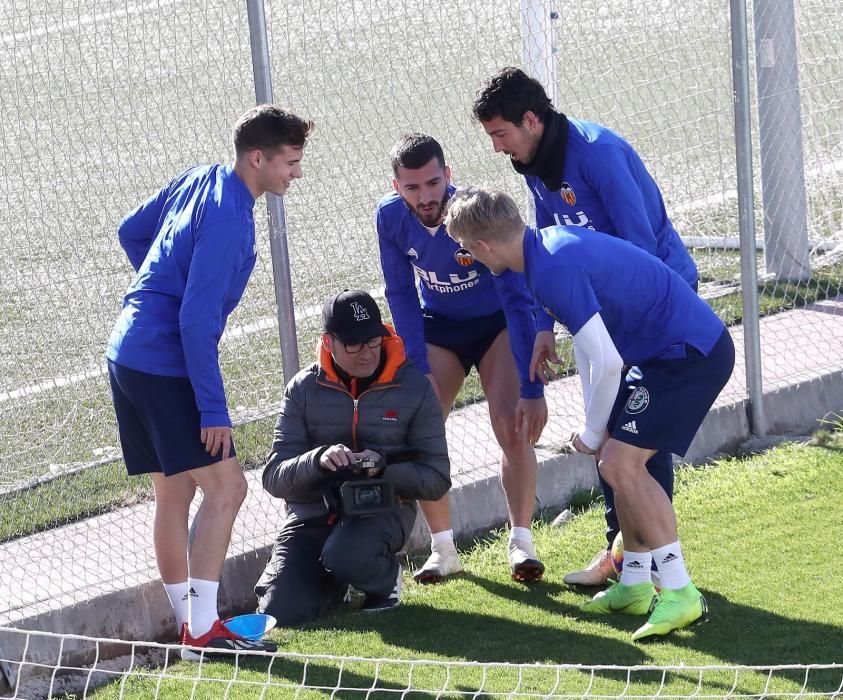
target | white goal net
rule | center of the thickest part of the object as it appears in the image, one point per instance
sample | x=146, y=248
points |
x=148, y=670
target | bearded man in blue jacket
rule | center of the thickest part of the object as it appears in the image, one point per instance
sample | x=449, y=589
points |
x=582, y=174
x=454, y=315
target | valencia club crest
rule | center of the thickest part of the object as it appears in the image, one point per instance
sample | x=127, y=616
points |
x=463, y=257
x=568, y=195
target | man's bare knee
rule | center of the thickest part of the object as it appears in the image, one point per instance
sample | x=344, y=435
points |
x=623, y=466
x=615, y=471
x=176, y=490
x=231, y=495
x=510, y=440
x=223, y=485
x=620, y=473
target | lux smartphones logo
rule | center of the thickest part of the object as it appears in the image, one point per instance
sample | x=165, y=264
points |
x=454, y=283
x=565, y=220
x=567, y=195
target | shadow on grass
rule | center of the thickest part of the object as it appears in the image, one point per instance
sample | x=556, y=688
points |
x=739, y=634
x=428, y=632
x=736, y=635
x=830, y=438
x=360, y=680
x=485, y=636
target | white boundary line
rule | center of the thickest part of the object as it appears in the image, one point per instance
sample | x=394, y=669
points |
x=729, y=242
x=833, y=168
x=245, y=330
x=9, y=40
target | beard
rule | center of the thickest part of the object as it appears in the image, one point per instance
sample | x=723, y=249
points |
x=433, y=217
x=531, y=156
x=531, y=146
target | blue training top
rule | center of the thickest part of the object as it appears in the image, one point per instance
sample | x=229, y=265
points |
x=193, y=248
x=607, y=188
x=649, y=311
x=426, y=271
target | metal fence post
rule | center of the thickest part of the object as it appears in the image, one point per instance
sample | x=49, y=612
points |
x=746, y=216
x=787, y=249
x=275, y=204
x=537, y=56
x=537, y=44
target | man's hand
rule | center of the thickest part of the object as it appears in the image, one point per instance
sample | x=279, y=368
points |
x=217, y=440
x=375, y=457
x=531, y=417
x=336, y=457
x=581, y=447
x=544, y=351
x=435, y=386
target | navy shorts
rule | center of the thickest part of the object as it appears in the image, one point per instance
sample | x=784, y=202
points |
x=469, y=339
x=664, y=408
x=158, y=421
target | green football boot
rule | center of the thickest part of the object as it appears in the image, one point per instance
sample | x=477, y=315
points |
x=630, y=600
x=674, y=610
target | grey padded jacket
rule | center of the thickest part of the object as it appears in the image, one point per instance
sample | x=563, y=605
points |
x=398, y=411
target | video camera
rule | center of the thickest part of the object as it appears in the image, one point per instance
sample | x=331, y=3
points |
x=367, y=496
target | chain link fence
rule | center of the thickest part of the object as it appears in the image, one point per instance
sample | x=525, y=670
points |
x=100, y=108
x=103, y=103
x=799, y=96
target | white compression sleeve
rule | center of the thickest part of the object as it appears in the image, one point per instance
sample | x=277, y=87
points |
x=599, y=365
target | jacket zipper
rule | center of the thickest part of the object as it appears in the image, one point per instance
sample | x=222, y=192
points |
x=355, y=416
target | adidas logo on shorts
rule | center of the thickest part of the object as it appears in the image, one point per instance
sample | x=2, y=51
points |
x=630, y=427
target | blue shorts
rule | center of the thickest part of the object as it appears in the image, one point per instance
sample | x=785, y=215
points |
x=664, y=408
x=469, y=339
x=158, y=421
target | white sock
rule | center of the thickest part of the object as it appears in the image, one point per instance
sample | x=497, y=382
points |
x=636, y=567
x=520, y=533
x=671, y=565
x=203, y=605
x=177, y=593
x=442, y=540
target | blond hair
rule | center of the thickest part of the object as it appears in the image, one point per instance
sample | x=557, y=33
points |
x=476, y=213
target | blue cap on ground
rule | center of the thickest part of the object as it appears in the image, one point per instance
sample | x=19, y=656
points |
x=252, y=626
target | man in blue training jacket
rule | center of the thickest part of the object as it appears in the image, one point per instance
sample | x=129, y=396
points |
x=458, y=317
x=582, y=174
x=622, y=306
x=192, y=246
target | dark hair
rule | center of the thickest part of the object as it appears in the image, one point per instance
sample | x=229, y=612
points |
x=509, y=94
x=414, y=151
x=267, y=127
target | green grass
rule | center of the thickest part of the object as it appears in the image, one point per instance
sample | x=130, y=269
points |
x=74, y=497
x=70, y=499
x=761, y=537
x=775, y=296
x=720, y=265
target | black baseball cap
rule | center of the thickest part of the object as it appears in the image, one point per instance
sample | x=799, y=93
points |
x=353, y=316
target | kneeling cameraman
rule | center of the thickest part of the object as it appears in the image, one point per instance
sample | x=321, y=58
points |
x=362, y=411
